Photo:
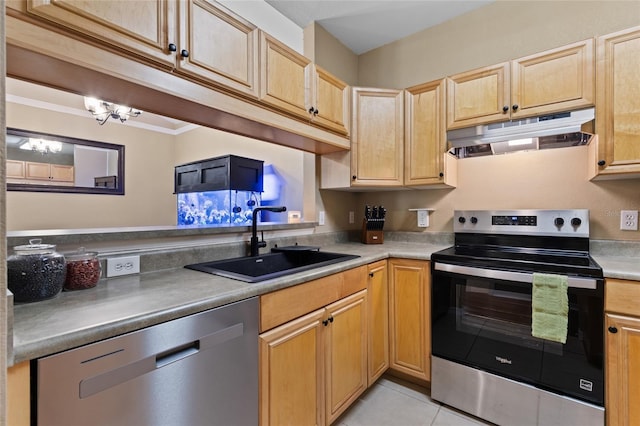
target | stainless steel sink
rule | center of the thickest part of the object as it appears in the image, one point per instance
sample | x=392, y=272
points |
x=283, y=262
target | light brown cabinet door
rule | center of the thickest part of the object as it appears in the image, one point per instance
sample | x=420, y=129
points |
x=15, y=169
x=378, y=295
x=61, y=173
x=142, y=28
x=331, y=100
x=377, y=137
x=346, y=352
x=221, y=47
x=479, y=96
x=18, y=395
x=410, y=317
x=556, y=80
x=623, y=370
x=285, y=77
x=425, y=134
x=618, y=103
x=292, y=372
x=39, y=171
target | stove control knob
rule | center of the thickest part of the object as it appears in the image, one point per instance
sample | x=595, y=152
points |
x=461, y=219
x=576, y=221
x=558, y=221
x=474, y=220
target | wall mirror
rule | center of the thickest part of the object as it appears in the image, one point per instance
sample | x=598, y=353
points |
x=41, y=162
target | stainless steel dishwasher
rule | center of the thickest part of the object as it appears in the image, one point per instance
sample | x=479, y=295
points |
x=197, y=370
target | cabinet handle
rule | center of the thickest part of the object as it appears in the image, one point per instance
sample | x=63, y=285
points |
x=515, y=107
x=173, y=47
x=601, y=163
x=184, y=53
x=505, y=108
x=327, y=321
x=613, y=330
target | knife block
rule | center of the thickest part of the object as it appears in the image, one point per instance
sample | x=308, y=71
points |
x=370, y=236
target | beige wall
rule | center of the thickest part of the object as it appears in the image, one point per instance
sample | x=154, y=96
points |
x=489, y=35
x=328, y=52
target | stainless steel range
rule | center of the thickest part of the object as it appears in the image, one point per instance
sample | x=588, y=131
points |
x=488, y=358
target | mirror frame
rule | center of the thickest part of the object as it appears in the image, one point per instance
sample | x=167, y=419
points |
x=29, y=187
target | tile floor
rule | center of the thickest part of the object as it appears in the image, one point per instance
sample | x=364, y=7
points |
x=393, y=402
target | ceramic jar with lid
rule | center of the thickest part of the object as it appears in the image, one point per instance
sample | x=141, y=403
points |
x=35, y=272
x=83, y=269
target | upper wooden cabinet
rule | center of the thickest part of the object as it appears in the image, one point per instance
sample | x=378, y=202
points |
x=203, y=40
x=377, y=138
x=618, y=104
x=426, y=161
x=218, y=46
x=291, y=82
x=141, y=28
x=556, y=80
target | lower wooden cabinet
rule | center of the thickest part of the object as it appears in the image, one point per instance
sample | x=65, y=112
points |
x=313, y=349
x=378, y=294
x=18, y=395
x=410, y=317
x=314, y=367
x=622, y=367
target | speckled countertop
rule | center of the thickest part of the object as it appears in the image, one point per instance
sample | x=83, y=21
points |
x=123, y=304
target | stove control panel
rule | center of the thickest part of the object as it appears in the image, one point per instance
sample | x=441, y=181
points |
x=573, y=223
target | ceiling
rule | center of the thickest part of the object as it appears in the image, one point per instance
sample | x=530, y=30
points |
x=362, y=25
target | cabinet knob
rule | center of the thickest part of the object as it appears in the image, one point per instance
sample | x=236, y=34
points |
x=325, y=322
x=371, y=274
x=184, y=53
x=601, y=163
x=441, y=174
x=613, y=330
x=515, y=107
x=311, y=110
x=505, y=108
x=354, y=177
x=315, y=111
x=173, y=47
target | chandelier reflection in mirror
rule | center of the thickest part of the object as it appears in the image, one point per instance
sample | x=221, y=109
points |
x=42, y=146
x=103, y=110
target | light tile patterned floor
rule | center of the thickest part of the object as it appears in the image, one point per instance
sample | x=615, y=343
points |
x=393, y=402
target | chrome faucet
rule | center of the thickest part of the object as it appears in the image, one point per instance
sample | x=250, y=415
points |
x=255, y=244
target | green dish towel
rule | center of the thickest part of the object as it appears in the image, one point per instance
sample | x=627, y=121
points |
x=550, y=306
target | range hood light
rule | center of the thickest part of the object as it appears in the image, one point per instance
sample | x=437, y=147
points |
x=520, y=142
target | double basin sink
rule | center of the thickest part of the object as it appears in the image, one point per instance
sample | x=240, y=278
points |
x=280, y=262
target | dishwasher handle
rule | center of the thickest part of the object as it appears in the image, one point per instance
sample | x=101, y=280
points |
x=111, y=378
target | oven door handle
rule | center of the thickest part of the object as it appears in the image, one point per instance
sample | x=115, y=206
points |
x=523, y=277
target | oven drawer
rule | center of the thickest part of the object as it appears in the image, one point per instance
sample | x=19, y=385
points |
x=622, y=297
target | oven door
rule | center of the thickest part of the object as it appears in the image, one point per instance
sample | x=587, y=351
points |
x=482, y=318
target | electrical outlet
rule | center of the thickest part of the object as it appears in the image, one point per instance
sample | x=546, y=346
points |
x=117, y=266
x=352, y=217
x=629, y=220
x=321, y=218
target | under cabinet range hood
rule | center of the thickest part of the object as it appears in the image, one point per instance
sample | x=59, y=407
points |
x=544, y=132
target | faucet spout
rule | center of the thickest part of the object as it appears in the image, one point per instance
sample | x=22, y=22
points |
x=255, y=244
